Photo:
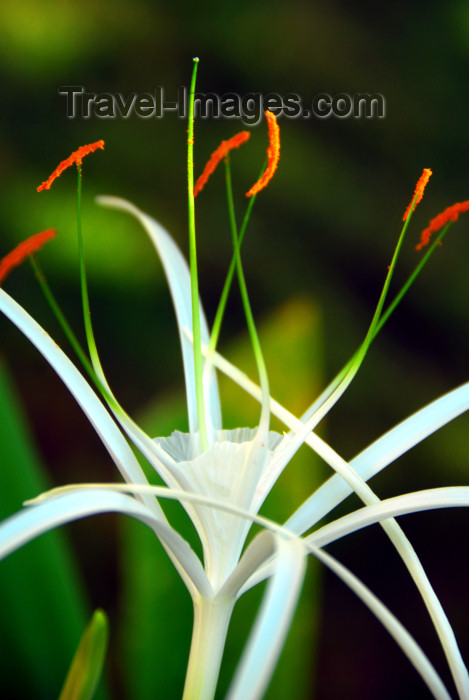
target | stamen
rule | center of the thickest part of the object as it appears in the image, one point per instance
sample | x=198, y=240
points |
x=75, y=158
x=451, y=214
x=273, y=155
x=222, y=151
x=419, y=190
x=28, y=247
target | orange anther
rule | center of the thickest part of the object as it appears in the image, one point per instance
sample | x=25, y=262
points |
x=419, y=190
x=75, y=158
x=28, y=247
x=222, y=151
x=451, y=214
x=273, y=154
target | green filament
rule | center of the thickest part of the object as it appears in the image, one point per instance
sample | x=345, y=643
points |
x=197, y=344
x=62, y=320
x=83, y=283
x=343, y=379
x=229, y=277
x=253, y=335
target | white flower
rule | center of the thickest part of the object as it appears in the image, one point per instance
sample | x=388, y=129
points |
x=224, y=486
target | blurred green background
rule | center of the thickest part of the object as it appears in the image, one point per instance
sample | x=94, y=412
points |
x=316, y=254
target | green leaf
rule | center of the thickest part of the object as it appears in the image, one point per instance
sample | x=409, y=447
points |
x=43, y=611
x=87, y=664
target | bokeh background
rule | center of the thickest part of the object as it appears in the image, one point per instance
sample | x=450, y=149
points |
x=316, y=254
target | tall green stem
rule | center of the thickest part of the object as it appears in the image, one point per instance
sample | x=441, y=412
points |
x=261, y=367
x=60, y=316
x=331, y=395
x=84, y=285
x=375, y=328
x=197, y=343
x=229, y=277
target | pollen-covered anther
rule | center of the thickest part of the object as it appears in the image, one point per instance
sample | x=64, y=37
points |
x=221, y=152
x=273, y=155
x=28, y=247
x=74, y=159
x=419, y=190
x=449, y=215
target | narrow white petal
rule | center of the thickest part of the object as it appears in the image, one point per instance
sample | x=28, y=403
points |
x=34, y=520
x=91, y=405
x=408, y=645
x=291, y=442
x=449, y=407
x=259, y=548
x=369, y=462
x=428, y=499
x=411, y=431
x=272, y=623
x=383, y=512
x=259, y=551
x=380, y=454
x=177, y=274
x=104, y=425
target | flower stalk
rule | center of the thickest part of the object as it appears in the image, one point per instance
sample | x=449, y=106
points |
x=198, y=363
x=210, y=627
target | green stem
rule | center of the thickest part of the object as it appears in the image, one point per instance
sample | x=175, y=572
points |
x=64, y=324
x=90, y=339
x=254, y=337
x=197, y=342
x=339, y=385
x=93, y=368
x=406, y=286
x=229, y=277
x=211, y=620
x=324, y=401
x=83, y=282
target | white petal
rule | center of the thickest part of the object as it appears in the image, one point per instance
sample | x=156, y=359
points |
x=396, y=629
x=383, y=512
x=177, y=274
x=34, y=520
x=109, y=433
x=290, y=443
x=380, y=454
x=411, y=431
x=272, y=623
x=428, y=499
x=451, y=406
x=259, y=551
x=392, y=624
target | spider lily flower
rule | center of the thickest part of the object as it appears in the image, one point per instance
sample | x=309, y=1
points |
x=222, y=486
x=252, y=460
x=244, y=454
